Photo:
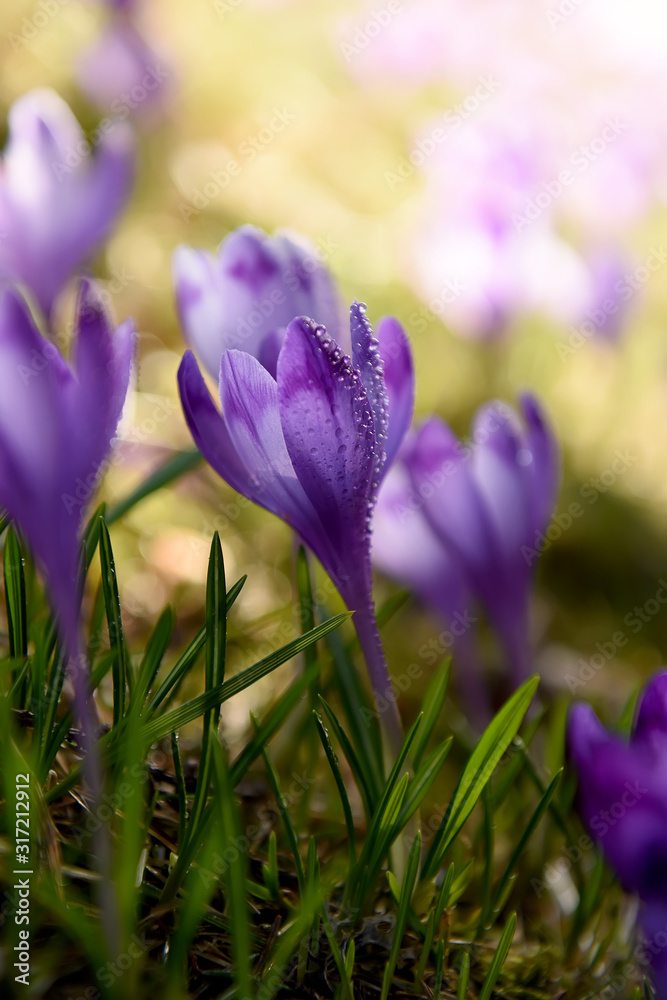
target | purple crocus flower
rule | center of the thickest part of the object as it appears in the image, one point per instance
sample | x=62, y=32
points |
x=488, y=502
x=57, y=421
x=120, y=72
x=407, y=549
x=247, y=295
x=312, y=444
x=57, y=202
x=623, y=803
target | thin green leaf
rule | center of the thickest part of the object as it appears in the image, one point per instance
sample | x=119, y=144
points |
x=478, y=771
x=15, y=597
x=120, y=668
x=187, y=660
x=156, y=647
x=407, y=888
x=499, y=958
x=361, y=776
x=290, y=832
x=178, y=717
x=236, y=874
x=342, y=791
x=464, y=976
x=433, y=702
x=216, y=640
x=533, y=822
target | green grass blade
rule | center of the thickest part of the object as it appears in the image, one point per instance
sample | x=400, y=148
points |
x=481, y=765
x=235, y=874
x=120, y=667
x=433, y=702
x=175, y=467
x=187, y=660
x=216, y=644
x=15, y=597
x=422, y=782
x=157, y=728
x=270, y=726
x=180, y=791
x=156, y=647
x=464, y=976
x=290, y=832
x=361, y=776
x=407, y=888
x=342, y=791
x=533, y=822
x=499, y=958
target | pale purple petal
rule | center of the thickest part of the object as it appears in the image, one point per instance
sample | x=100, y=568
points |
x=245, y=297
x=209, y=429
x=399, y=379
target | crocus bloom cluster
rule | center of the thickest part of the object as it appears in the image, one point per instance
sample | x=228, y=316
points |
x=57, y=420
x=246, y=296
x=473, y=513
x=57, y=201
x=623, y=803
x=312, y=443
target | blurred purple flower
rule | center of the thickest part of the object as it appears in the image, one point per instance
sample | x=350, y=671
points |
x=406, y=548
x=123, y=74
x=623, y=802
x=488, y=502
x=247, y=295
x=57, y=421
x=313, y=444
x=57, y=202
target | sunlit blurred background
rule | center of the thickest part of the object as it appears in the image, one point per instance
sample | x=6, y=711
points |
x=492, y=173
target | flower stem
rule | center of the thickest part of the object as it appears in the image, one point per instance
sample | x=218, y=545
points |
x=373, y=650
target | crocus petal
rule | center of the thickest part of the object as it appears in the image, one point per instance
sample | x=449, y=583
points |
x=56, y=204
x=103, y=363
x=368, y=362
x=249, y=293
x=453, y=505
x=30, y=374
x=500, y=478
x=328, y=428
x=249, y=397
x=209, y=429
x=651, y=724
x=399, y=379
x=543, y=468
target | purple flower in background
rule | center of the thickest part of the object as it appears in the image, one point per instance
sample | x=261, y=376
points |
x=247, y=295
x=488, y=502
x=57, y=201
x=123, y=74
x=57, y=421
x=406, y=548
x=312, y=444
x=623, y=803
